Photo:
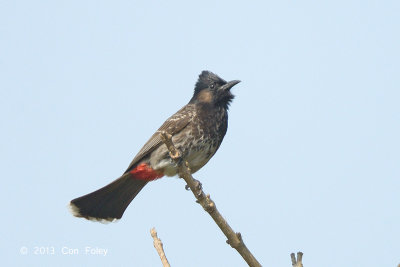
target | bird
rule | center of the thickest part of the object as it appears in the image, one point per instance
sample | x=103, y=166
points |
x=197, y=130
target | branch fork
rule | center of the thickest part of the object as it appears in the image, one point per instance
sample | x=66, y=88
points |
x=299, y=261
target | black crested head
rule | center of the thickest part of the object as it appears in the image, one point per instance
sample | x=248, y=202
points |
x=211, y=89
x=206, y=80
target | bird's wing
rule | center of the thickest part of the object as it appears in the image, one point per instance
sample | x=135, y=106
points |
x=172, y=125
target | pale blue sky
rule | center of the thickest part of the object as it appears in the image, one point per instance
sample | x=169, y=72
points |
x=310, y=161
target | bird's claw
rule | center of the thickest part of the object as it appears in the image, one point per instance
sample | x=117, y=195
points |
x=198, y=186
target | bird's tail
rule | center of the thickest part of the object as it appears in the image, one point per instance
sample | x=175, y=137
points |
x=108, y=203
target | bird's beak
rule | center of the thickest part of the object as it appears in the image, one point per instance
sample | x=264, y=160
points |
x=229, y=85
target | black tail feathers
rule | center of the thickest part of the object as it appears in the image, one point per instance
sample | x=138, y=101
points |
x=108, y=203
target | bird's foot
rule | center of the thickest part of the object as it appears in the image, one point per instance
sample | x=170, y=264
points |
x=197, y=185
x=178, y=161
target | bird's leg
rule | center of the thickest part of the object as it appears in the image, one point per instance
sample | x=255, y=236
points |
x=178, y=161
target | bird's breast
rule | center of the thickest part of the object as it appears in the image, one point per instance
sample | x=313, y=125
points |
x=198, y=142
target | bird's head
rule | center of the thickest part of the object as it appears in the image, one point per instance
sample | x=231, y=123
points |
x=211, y=89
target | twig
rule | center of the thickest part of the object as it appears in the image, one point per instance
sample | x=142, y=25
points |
x=298, y=262
x=159, y=247
x=234, y=239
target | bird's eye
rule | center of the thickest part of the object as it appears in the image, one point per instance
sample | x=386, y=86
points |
x=212, y=86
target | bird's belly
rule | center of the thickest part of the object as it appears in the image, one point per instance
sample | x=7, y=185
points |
x=197, y=156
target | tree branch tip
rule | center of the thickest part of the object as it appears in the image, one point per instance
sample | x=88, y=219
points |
x=299, y=256
x=153, y=232
x=158, y=245
x=297, y=262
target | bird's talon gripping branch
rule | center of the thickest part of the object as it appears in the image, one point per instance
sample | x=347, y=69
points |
x=179, y=161
x=198, y=185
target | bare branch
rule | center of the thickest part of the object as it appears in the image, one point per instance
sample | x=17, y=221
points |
x=159, y=247
x=234, y=239
x=298, y=262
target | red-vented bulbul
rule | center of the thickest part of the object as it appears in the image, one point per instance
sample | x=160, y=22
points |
x=197, y=131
